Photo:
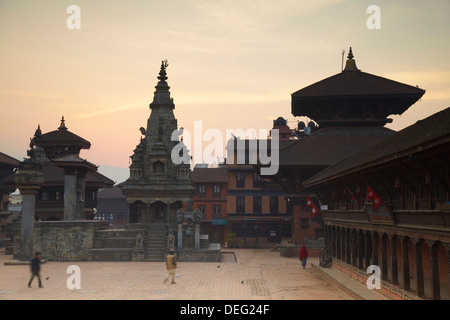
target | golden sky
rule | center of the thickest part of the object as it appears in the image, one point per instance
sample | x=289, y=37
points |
x=233, y=63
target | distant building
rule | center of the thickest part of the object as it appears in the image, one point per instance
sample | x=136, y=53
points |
x=211, y=199
x=112, y=206
x=7, y=166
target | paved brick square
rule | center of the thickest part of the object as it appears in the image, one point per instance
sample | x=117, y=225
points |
x=254, y=275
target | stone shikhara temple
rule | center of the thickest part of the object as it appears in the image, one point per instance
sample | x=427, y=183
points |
x=59, y=197
x=159, y=192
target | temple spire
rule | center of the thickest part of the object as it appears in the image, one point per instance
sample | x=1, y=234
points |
x=162, y=94
x=350, y=65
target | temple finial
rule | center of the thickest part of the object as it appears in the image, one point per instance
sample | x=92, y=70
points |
x=62, y=126
x=162, y=73
x=350, y=54
x=38, y=131
x=350, y=65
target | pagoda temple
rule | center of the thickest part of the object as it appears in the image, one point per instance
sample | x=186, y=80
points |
x=350, y=110
x=69, y=190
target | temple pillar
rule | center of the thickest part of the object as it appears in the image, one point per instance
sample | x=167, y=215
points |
x=367, y=250
x=384, y=265
x=197, y=236
x=28, y=179
x=180, y=236
x=394, y=267
x=27, y=225
x=80, y=195
x=375, y=238
x=405, y=263
x=70, y=195
x=419, y=268
x=435, y=284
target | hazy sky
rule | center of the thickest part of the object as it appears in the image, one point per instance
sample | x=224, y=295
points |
x=233, y=64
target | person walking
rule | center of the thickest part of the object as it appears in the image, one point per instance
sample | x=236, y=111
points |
x=303, y=255
x=36, y=269
x=171, y=264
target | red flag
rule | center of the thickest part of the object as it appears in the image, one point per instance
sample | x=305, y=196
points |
x=376, y=200
x=314, y=210
x=308, y=201
x=369, y=193
x=353, y=196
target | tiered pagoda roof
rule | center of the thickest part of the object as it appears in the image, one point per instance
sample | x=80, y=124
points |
x=354, y=98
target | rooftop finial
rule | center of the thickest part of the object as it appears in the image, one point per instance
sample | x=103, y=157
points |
x=350, y=65
x=38, y=132
x=162, y=73
x=62, y=126
x=350, y=54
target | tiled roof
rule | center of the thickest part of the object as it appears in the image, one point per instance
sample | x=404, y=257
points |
x=8, y=160
x=327, y=146
x=428, y=132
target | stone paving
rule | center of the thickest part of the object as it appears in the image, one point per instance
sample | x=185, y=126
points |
x=245, y=275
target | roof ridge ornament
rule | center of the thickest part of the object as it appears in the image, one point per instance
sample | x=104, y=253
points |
x=350, y=65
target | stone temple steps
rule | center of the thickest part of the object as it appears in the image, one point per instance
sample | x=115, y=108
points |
x=113, y=245
x=155, y=242
x=120, y=244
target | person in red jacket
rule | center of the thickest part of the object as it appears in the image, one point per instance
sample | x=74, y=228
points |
x=303, y=255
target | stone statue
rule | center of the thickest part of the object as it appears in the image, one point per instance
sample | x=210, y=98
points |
x=139, y=241
x=170, y=240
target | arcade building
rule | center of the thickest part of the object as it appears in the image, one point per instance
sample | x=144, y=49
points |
x=389, y=206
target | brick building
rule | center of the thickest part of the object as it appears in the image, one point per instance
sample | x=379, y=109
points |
x=211, y=199
x=258, y=209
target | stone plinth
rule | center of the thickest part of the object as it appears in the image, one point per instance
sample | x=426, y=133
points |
x=65, y=240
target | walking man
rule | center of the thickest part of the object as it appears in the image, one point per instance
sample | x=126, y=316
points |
x=171, y=265
x=36, y=269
